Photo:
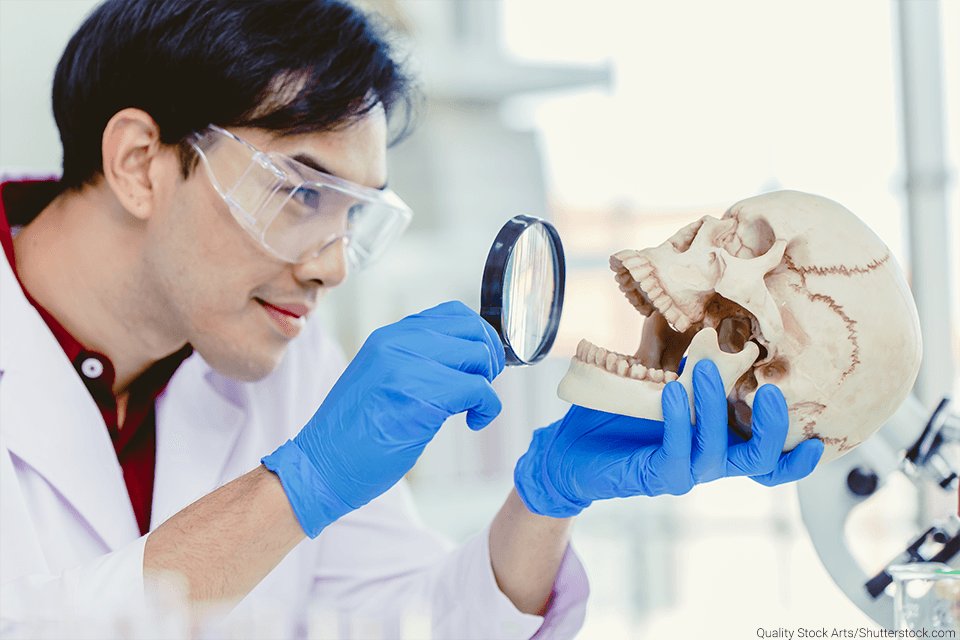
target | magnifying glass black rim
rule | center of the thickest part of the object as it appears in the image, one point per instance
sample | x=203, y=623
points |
x=491, y=291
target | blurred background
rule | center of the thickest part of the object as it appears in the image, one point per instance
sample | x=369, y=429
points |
x=621, y=122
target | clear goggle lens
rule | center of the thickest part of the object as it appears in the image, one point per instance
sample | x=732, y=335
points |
x=295, y=211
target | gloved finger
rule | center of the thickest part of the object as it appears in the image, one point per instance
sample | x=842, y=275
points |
x=496, y=347
x=427, y=345
x=460, y=392
x=670, y=464
x=795, y=464
x=677, y=428
x=610, y=427
x=462, y=354
x=468, y=327
x=710, y=434
x=457, y=320
x=734, y=438
x=447, y=309
x=683, y=363
x=769, y=424
x=483, y=414
x=455, y=309
x=620, y=472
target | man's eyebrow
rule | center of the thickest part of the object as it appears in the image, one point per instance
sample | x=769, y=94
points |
x=311, y=162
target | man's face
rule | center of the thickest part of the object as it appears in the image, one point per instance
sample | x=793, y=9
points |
x=238, y=305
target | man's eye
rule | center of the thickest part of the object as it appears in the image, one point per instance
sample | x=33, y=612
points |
x=309, y=198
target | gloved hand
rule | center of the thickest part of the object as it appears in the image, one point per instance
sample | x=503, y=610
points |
x=591, y=455
x=406, y=380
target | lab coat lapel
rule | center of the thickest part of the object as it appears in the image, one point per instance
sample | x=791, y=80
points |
x=199, y=418
x=51, y=422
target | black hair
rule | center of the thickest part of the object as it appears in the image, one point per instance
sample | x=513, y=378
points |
x=292, y=66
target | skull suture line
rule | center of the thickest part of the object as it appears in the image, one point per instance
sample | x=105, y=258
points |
x=787, y=288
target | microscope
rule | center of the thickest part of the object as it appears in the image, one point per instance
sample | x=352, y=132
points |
x=922, y=447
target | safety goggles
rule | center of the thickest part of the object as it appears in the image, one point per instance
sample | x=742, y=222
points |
x=295, y=211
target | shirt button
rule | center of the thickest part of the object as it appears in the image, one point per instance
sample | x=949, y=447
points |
x=92, y=368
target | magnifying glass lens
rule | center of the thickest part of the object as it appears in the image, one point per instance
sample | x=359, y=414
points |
x=521, y=295
x=528, y=292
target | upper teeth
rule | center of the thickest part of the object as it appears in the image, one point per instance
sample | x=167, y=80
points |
x=638, y=281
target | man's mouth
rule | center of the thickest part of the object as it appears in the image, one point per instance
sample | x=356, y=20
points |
x=288, y=318
x=295, y=310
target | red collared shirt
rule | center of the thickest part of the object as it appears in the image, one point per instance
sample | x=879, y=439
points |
x=136, y=443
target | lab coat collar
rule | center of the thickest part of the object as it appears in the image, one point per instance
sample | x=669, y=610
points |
x=49, y=420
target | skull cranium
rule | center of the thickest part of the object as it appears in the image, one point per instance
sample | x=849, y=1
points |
x=786, y=288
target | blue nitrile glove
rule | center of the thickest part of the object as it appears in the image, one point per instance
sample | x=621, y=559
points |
x=591, y=455
x=406, y=380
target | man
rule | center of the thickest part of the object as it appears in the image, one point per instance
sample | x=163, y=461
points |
x=224, y=167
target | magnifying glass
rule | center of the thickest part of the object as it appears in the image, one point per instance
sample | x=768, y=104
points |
x=521, y=295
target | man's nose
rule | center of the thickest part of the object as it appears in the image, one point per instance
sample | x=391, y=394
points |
x=329, y=266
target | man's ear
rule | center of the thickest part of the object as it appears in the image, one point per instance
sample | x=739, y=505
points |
x=131, y=144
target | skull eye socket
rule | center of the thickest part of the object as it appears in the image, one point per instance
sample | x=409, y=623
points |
x=753, y=239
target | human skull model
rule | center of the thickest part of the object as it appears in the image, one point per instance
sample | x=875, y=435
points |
x=786, y=288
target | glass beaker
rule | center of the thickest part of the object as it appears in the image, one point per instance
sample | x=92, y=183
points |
x=927, y=596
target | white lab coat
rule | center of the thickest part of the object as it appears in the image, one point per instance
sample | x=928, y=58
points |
x=70, y=548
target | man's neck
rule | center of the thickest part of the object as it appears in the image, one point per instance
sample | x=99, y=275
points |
x=80, y=260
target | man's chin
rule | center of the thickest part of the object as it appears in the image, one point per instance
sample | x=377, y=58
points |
x=244, y=368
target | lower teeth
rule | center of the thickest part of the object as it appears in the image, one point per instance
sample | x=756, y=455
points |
x=619, y=364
